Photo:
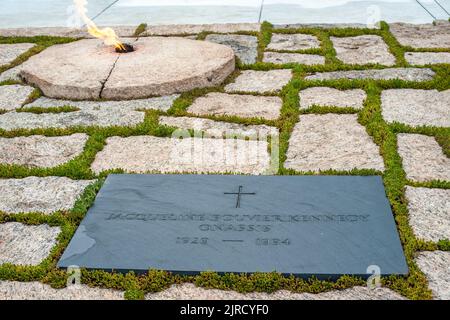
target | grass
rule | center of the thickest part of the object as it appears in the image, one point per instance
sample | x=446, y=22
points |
x=414, y=286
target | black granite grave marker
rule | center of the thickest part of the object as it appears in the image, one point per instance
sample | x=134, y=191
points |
x=325, y=226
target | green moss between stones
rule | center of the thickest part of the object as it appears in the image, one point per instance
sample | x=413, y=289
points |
x=414, y=286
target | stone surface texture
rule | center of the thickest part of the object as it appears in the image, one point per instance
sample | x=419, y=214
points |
x=44, y=195
x=293, y=42
x=26, y=244
x=12, y=74
x=282, y=58
x=189, y=291
x=422, y=36
x=121, y=31
x=13, y=96
x=429, y=212
x=331, y=141
x=146, y=72
x=180, y=29
x=436, y=266
x=324, y=25
x=246, y=106
x=90, y=113
x=13, y=290
x=327, y=97
x=423, y=158
x=218, y=129
x=9, y=52
x=83, y=118
x=245, y=47
x=407, y=74
x=141, y=154
x=158, y=103
x=362, y=50
x=416, y=107
x=41, y=151
x=271, y=81
x=87, y=69
x=424, y=58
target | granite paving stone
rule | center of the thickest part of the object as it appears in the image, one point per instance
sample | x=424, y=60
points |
x=430, y=35
x=218, y=129
x=423, y=158
x=424, y=58
x=189, y=291
x=14, y=96
x=416, y=107
x=40, y=151
x=251, y=81
x=429, y=212
x=40, y=194
x=436, y=266
x=141, y=154
x=246, y=106
x=300, y=58
x=244, y=46
x=180, y=29
x=26, y=244
x=9, y=52
x=406, y=74
x=14, y=290
x=330, y=97
x=331, y=141
x=362, y=50
x=293, y=42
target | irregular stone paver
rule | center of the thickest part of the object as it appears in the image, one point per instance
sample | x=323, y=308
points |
x=424, y=58
x=121, y=31
x=12, y=97
x=323, y=26
x=152, y=154
x=14, y=290
x=9, y=52
x=219, y=129
x=245, y=47
x=422, y=35
x=293, y=42
x=91, y=113
x=189, y=291
x=35, y=194
x=159, y=103
x=97, y=71
x=436, y=266
x=41, y=151
x=260, y=81
x=363, y=49
x=84, y=118
x=26, y=245
x=429, y=212
x=331, y=141
x=324, y=96
x=178, y=29
x=282, y=58
x=12, y=74
x=246, y=106
x=416, y=107
x=422, y=157
x=407, y=74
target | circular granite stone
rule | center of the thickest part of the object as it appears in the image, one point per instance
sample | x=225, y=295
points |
x=87, y=69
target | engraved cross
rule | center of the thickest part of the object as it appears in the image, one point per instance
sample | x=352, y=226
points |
x=239, y=193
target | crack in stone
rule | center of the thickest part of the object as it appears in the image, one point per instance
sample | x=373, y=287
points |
x=107, y=77
x=111, y=71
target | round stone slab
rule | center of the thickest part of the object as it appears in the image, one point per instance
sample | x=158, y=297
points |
x=87, y=69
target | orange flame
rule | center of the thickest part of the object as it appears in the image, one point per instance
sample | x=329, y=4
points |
x=108, y=35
